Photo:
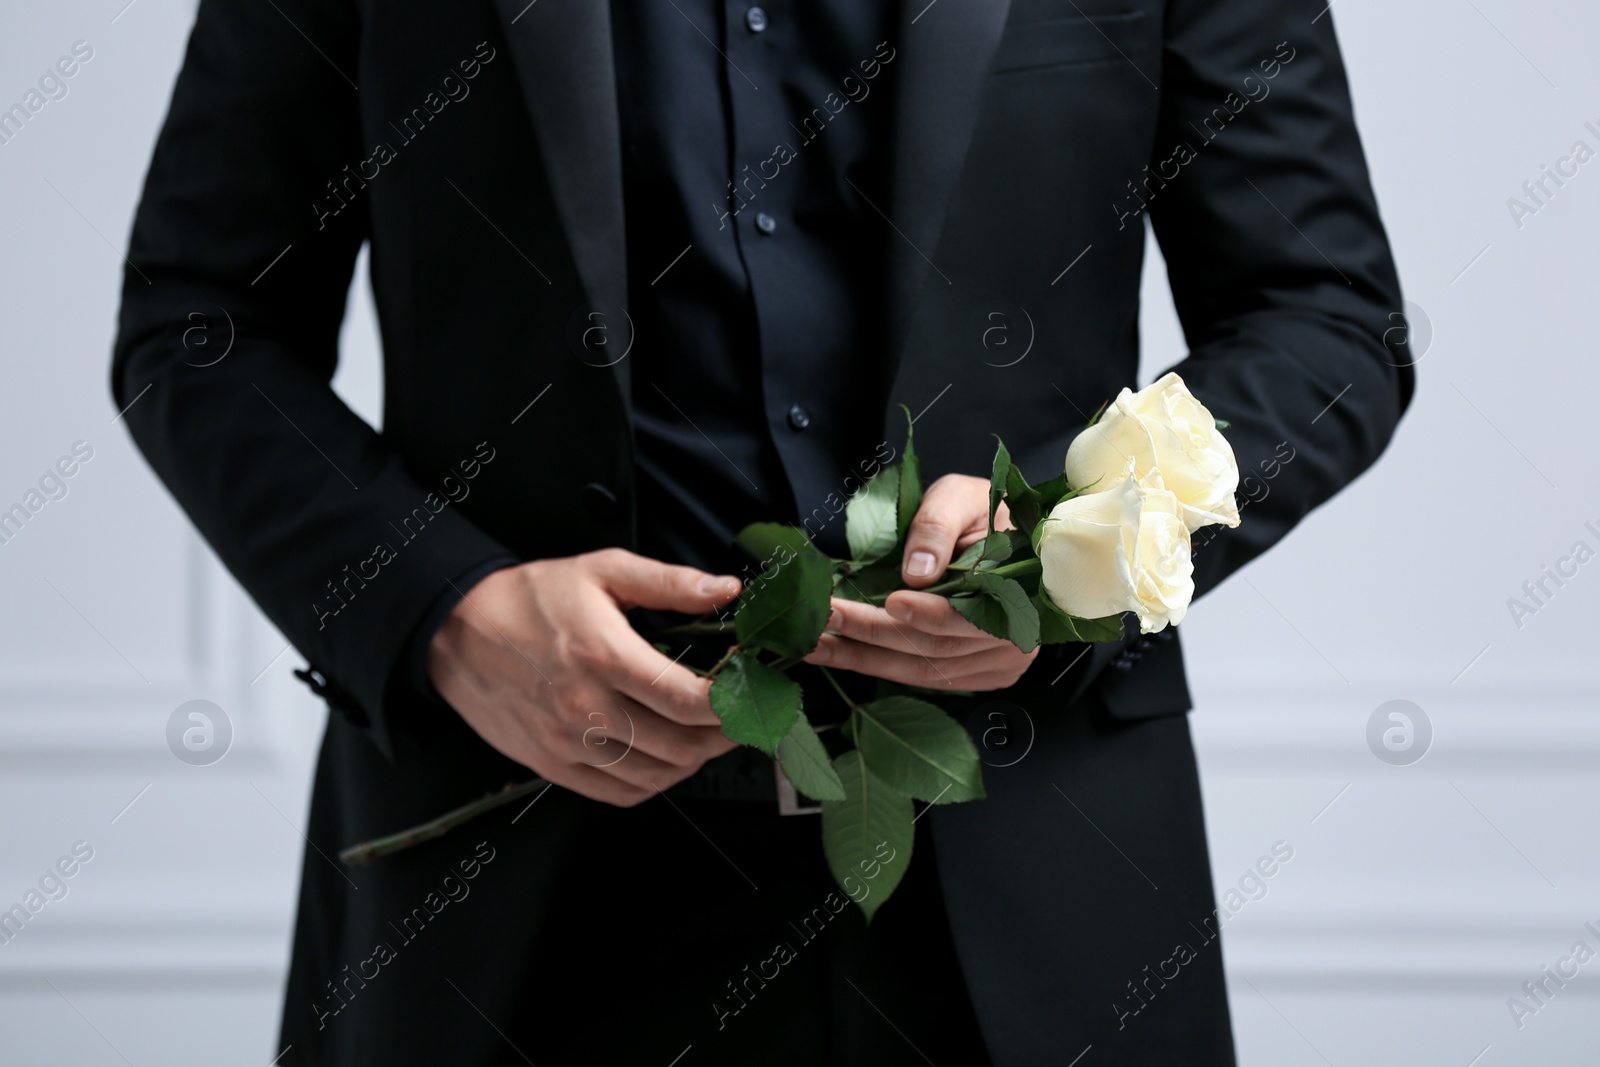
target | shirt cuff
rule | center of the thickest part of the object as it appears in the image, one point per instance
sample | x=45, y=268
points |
x=414, y=666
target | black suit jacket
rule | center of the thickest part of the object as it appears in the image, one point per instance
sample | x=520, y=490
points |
x=474, y=145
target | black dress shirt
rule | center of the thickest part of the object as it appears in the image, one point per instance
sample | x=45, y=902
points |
x=754, y=148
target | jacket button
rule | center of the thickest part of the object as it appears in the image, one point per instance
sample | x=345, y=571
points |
x=755, y=19
x=766, y=223
x=600, y=502
x=799, y=417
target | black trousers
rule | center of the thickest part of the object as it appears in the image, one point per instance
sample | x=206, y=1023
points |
x=711, y=930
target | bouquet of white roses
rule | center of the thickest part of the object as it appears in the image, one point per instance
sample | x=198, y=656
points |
x=1107, y=536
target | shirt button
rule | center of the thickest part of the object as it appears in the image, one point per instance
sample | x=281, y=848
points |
x=799, y=417
x=765, y=223
x=755, y=19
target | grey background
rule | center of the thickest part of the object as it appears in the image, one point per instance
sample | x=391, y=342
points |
x=1419, y=898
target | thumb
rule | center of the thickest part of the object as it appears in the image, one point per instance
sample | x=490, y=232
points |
x=952, y=506
x=639, y=582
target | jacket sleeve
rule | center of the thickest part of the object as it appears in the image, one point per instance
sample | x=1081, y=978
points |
x=228, y=338
x=1279, y=266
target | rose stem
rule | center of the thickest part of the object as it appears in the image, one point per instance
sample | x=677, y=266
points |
x=956, y=585
x=367, y=851
x=837, y=688
x=716, y=668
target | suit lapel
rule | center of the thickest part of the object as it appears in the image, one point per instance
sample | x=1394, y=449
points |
x=945, y=51
x=563, y=55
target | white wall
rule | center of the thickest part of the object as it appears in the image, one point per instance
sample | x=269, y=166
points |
x=171, y=943
x=1427, y=894
x=1414, y=905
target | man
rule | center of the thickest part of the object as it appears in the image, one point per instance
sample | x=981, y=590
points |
x=647, y=271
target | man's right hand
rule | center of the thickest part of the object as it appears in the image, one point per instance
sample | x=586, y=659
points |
x=540, y=660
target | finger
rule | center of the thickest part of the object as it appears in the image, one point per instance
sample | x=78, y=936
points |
x=599, y=753
x=627, y=762
x=876, y=662
x=646, y=772
x=638, y=582
x=638, y=670
x=627, y=751
x=996, y=668
x=608, y=735
x=669, y=689
x=950, y=508
x=932, y=614
x=596, y=785
x=954, y=669
x=874, y=626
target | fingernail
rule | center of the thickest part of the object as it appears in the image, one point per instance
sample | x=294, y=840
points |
x=835, y=620
x=899, y=610
x=819, y=654
x=712, y=585
x=921, y=564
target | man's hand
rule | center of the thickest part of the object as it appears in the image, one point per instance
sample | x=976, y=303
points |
x=541, y=662
x=917, y=638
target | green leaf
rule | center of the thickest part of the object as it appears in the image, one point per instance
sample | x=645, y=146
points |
x=1002, y=545
x=1052, y=492
x=1021, y=616
x=919, y=750
x=766, y=540
x=873, y=580
x=984, y=612
x=806, y=763
x=997, y=479
x=1038, y=532
x=869, y=518
x=910, y=482
x=757, y=704
x=1002, y=608
x=1221, y=424
x=786, y=608
x=1022, y=502
x=1057, y=627
x=867, y=836
x=1106, y=628
x=969, y=556
x=996, y=548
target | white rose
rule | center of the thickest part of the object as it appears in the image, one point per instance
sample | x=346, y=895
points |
x=1125, y=548
x=1164, y=428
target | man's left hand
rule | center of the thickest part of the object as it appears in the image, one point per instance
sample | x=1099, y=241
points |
x=918, y=638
